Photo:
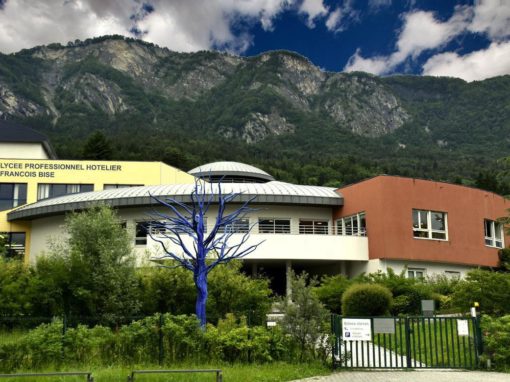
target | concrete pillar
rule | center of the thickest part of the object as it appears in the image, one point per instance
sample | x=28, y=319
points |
x=343, y=268
x=254, y=269
x=288, y=278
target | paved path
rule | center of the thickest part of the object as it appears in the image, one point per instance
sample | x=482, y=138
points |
x=412, y=376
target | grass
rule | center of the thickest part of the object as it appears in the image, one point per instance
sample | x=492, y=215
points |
x=272, y=372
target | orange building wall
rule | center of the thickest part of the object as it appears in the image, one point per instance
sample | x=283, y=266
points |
x=388, y=202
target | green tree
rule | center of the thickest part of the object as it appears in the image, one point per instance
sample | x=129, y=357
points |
x=97, y=147
x=3, y=247
x=331, y=290
x=14, y=281
x=488, y=288
x=91, y=271
x=306, y=320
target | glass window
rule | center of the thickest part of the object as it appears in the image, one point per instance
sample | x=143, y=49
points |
x=12, y=195
x=114, y=186
x=274, y=225
x=454, y=275
x=141, y=232
x=430, y=225
x=354, y=225
x=315, y=227
x=45, y=191
x=493, y=233
x=239, y=226
x=15, y=244
x=415, y=273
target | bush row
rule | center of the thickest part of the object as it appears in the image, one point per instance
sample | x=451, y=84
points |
x=173, y=338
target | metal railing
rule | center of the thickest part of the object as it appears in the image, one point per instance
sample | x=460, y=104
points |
x=86, y=374
x=218, y=372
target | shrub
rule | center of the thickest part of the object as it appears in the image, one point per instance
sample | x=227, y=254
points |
x=14, y=282
x=488, y=288
x=306, y=321
x=408, y=292
x=366, y=300
x=330, y=292
x=497, y=340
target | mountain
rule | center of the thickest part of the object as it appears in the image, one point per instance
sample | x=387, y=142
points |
x=276, y=110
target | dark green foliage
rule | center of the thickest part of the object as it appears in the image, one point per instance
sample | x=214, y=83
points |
x=497, y=341
x=366, y=300
x=231, y=291
x=504, y=259
x=97, y=147
x=14, y=284
x=330, y=292
x=407, y=292
x=306, y=321
x=50, y=346
x=91, y=273
x=489, y=289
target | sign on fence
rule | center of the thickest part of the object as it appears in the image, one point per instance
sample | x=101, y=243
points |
x=384, y=326
x=462, y=327
x=357, y=329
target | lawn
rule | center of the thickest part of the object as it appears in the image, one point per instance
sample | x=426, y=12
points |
x=271, y=372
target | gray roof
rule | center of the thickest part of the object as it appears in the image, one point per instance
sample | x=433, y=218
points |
x=16, y=133
x=265, y=193
x=230, y=168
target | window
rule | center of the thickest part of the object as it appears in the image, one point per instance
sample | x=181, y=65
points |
x=415, y=273
x=15, y=244
x=45, y=191
x=493, y=233
x=274, y=225
x=354, y=225
x=239, y=226
x=141, y=232
x=12, y=195
x=430, y=225
x=453, y=275
x=315, y=227
x=114, y=186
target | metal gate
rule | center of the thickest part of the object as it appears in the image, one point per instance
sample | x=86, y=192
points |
x=406, y=342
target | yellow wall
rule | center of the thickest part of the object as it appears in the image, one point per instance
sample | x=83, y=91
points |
x=36, y=171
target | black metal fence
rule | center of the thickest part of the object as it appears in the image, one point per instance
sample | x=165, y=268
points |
x=407, y=342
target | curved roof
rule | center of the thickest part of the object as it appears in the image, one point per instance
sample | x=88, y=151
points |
x=230, y=169
x=263, y=193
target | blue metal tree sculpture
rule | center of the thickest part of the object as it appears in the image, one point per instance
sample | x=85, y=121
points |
x=184, y=239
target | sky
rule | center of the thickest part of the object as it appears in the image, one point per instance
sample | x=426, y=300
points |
x=465, y=39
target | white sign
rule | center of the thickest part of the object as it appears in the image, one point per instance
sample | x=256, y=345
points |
x=356, y=329
x=462, y=327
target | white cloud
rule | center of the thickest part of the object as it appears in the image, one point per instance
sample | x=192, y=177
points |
x=492, y=17
x=490, y=62
x=313, y=9
x=421, y=31
x=342, y=17
x=375, y=5
x=182, y=25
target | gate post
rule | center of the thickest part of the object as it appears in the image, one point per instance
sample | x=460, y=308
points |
x=408, y=342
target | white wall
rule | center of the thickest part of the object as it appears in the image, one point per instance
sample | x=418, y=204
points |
x=431, y=269
x=22, y=151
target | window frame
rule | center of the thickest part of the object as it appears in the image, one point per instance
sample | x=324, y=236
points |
x=282, y=230
x=18, y=195
x=415, y=270
x=357, y=229
x=429, y=230
x=317, y=227
x=492, y=241
x=48, y=189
